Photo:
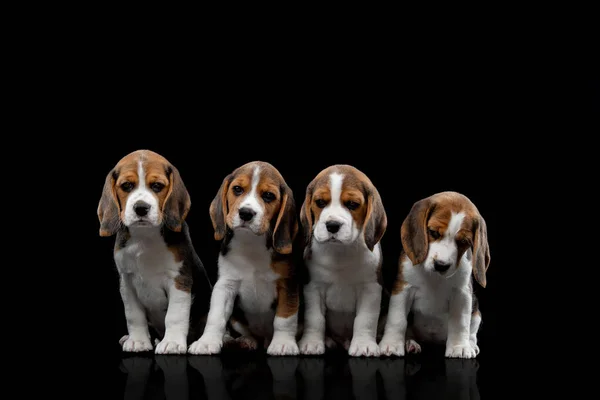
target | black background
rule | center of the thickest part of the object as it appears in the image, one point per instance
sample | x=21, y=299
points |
x=415, y=124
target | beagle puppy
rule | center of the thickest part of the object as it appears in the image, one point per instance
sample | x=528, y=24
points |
x=344, y=220
x=145, y=203
x=444, y=239
x=254, y=215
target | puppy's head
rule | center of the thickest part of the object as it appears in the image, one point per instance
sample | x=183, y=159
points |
x=440, y=229
x=256, y=198
x=341, y=206
x=143, y=190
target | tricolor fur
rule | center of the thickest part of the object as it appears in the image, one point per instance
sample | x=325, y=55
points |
x=344, y=220
x=444, y=241
x=254, y=215
x=163, y=284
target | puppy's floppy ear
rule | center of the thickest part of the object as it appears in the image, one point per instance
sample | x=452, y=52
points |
x=286, y=226
x=375, y=220
x=177, y=203
x=218, y=209
x=109, y=207
x=481, y=252
x=413, y=232
x=306, y=217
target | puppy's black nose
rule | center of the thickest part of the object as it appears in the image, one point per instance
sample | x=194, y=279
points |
x=440, y=267
x=141, y=208
x=333, y=226
x=246, y=214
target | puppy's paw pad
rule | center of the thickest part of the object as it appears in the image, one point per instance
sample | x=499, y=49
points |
x=412, y=346
x=206, y=345
x=283, y=347
x=311, y=346
x=362, y=347
x=136, y=345
x=171, y=347
x=461, y=351
x=389, y=348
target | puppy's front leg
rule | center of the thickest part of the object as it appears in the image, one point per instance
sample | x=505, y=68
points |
x=138, y=338
x=457, y=344
x=365, y=323
x=177, y=322
x=285, y=323
x=313, y=337
x=394, y=335
x=221, y=305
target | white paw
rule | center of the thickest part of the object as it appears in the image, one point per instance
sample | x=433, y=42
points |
x=391, y=348
x=206, y=345
x=363, y=347
x=461, y=351
x=412, y=346
x=311, y=346
x=283, y=347
x=135, y=344
x=475, y=347
x=169, y=346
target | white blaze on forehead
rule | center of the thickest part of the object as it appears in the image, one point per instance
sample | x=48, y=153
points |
x=251, y=199
x=335, y=183
x=455, y=224
x=255, y=178
x=141, y=175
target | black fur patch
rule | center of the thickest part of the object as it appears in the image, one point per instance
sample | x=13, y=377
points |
x=226, y=241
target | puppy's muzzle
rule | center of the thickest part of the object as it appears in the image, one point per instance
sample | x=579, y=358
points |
x=246, y=214
x=333, y=226
x=440, y=266
x=141, y=208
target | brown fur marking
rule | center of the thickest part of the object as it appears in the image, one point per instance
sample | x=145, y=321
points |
x=399, y=283
x=287, y=298
x=282, y=266
x=184, y=280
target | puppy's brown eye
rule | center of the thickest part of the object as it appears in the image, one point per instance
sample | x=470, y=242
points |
x=434, y=234
x=463, y=241
x=268, y=197
x=237, y=190
x=127, y=186
x=157, y=186
x=352, y=205
x=320, y=203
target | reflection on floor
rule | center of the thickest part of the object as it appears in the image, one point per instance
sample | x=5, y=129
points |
x=256, y=376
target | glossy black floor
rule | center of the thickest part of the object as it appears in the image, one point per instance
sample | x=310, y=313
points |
x=335, y=376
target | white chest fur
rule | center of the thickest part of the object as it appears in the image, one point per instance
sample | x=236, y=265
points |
x=150, y=266
x=341, y=270
x=249, y=261
x=432, y=294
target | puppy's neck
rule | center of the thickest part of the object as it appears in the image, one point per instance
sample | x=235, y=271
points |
x=337, y=249
x=245, y=237
x=145, y=234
